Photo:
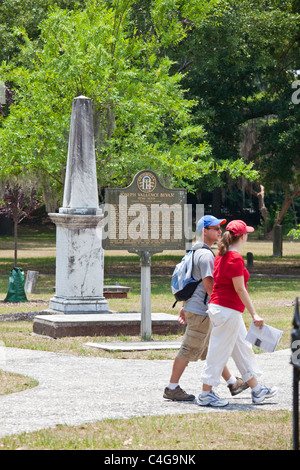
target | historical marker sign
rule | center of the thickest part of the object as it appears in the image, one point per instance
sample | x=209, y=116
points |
x=144, y=216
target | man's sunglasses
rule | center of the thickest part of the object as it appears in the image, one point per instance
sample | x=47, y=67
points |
x=214, y=228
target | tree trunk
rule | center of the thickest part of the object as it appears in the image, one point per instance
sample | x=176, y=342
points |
x=16, y=242
x=261, y=200
x=288, y=200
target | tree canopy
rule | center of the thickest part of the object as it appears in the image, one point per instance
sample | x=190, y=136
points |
x=201, y=92
x=142, y=116
x=240, y=65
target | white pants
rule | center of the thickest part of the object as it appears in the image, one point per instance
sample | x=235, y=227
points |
x=228, y=339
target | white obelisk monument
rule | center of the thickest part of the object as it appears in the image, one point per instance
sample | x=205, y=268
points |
x=79, y=253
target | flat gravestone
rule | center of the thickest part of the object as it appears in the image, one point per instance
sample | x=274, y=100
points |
x=136, y=345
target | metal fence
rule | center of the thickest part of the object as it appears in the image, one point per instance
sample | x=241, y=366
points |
x=295, y=361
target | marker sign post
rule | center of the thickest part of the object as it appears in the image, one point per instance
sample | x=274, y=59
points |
x=144, y=218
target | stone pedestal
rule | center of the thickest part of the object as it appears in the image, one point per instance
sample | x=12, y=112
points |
x=79, y=253
x=79, y=265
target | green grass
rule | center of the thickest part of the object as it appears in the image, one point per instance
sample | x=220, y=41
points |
x=12, y=383
x=272, y=297
x=44, y=265
x=209, y=431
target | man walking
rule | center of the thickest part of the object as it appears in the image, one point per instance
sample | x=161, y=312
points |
x=194, y=314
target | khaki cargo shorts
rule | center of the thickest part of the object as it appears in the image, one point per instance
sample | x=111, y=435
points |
x=196, y=337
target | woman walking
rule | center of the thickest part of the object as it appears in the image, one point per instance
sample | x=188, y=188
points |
x=227, y=303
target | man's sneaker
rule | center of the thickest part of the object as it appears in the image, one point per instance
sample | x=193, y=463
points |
x=238, y=387
x=211, y=400
x=264, y=392
x=177, y=394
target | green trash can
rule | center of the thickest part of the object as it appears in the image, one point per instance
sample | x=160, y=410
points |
x=16, y=292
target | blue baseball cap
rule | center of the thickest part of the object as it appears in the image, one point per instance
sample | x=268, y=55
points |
x=207, y=221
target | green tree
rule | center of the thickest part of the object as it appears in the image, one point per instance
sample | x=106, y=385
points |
x=26, y=14
x=239, y=64
x=18, y=203
x=142, y=117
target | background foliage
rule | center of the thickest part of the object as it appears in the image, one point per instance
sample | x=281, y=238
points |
x=200, y=92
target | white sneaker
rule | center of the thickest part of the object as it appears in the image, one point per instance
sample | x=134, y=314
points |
x=264, y=392
x=211, y=400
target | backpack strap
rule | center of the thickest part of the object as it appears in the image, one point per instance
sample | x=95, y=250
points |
x=205, y=247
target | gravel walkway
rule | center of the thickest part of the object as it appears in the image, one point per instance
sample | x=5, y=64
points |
x=75, y=390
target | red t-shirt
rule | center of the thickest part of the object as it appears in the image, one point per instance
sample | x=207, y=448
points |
x=226, y=267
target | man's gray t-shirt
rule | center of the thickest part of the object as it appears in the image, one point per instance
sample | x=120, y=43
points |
x=203, y=267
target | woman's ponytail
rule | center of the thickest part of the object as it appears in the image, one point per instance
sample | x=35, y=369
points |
x=227, y=239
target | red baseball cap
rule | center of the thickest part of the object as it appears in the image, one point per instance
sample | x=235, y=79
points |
x=238, y=227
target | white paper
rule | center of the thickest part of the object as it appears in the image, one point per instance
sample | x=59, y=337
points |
x=266, y=339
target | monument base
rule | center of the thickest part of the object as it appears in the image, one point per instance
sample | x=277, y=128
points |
x=77, y=306
x=110, y=324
